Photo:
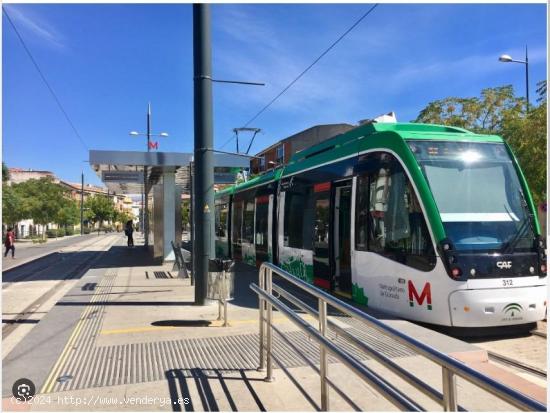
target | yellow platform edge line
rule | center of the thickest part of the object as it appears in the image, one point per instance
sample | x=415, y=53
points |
x=215, y=323
x=50, y=381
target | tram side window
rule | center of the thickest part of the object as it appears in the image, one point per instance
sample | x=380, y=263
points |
x=298, y=221
x=248, y=221
x=389, y=218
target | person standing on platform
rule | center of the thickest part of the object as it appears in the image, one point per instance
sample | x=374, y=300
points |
x=129, y=231
x=9, y=243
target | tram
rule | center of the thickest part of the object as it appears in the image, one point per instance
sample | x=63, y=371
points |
x=426, y=222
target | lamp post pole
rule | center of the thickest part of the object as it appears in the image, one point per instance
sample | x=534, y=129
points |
x=508, y=59
x=527, y=77
x=144, y=196
x=145, y=204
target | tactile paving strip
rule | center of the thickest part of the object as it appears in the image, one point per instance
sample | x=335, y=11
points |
x=88, y=365
x=144, y=362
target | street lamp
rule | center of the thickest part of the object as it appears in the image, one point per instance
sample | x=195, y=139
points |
x=144, y=199
x=508, y=59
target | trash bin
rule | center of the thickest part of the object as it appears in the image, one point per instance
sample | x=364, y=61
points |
x=221, y=284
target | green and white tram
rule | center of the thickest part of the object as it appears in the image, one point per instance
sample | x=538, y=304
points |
x=429, y=223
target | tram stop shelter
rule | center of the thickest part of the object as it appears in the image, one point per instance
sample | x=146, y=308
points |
x=161, y=178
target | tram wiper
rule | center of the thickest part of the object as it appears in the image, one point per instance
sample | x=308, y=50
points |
x=509, y=246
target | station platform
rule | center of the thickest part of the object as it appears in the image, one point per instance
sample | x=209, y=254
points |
x=127, y=337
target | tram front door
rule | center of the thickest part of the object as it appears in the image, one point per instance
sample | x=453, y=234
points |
x=342, y=239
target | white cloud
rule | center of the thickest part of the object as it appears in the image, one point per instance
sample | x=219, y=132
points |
x=37, y=27
x=475, y=66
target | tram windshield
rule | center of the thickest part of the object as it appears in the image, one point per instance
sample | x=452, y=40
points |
x=478, y=194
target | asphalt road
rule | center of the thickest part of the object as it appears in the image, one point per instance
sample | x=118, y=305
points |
x=27, y=251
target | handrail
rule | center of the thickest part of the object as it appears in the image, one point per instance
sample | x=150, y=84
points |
x=391, y=365
x=450, y=367
x=364, y=372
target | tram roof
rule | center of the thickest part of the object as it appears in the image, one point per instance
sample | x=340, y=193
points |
x=364, y=137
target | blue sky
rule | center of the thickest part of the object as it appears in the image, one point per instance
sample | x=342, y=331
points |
x=105, y=63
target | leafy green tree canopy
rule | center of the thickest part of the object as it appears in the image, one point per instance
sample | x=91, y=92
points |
x=527, y=138
x=12, y=199
x=99, y=208
x=5, y=173
x=42, y=199
x=69, y=214
x=485, y=114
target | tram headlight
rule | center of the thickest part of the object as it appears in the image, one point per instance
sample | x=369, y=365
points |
x=543, y=268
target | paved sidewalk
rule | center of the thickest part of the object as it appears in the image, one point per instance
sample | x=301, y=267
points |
x=135, y=341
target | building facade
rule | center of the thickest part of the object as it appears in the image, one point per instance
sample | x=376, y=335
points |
x=280, y=152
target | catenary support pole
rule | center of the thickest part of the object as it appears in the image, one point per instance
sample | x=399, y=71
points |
x=82, y=204
x=203, y=247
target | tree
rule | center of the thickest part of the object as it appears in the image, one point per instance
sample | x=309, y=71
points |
x=68, y=214
x=99, y=208
x=541, y=91
x=122, y=217
x=527, y=138
x=41, y=199
x=5, y=173
x=485, y=114
x=12, y=211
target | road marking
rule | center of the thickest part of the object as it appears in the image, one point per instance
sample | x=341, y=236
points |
x=215, y=323
x=136, y=330
x=52, y=377
x=50, y=381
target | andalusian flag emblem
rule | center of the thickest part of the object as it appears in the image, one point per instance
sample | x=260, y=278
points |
x=512, y=309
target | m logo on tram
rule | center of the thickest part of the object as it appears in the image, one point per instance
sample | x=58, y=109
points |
x=425, y=294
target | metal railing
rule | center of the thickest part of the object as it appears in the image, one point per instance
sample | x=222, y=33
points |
x=451, y=368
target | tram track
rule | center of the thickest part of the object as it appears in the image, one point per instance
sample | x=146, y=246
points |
x=29, y=271
x=72, y=273
x=499, y=358
x=539, y=334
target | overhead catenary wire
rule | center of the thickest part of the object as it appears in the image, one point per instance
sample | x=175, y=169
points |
x=282, y=92
x=43, y=77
